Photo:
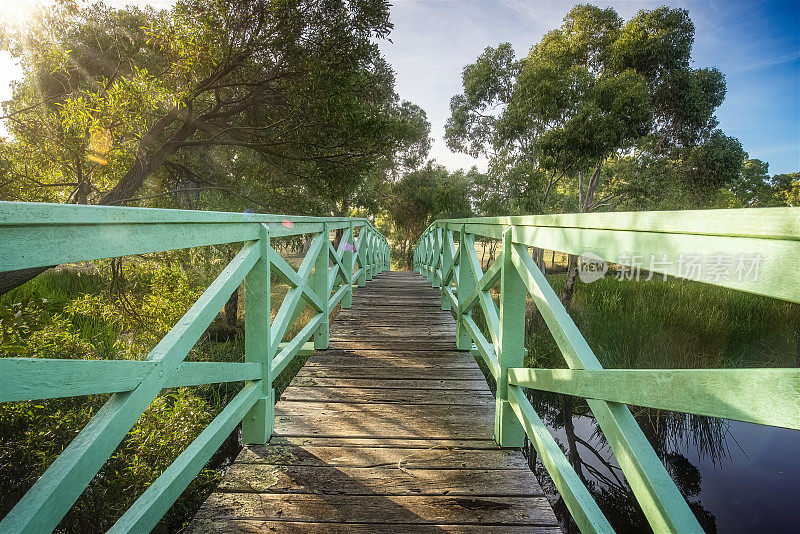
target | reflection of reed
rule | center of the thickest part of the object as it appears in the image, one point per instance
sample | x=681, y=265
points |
x=671, y=434
x=675, y=431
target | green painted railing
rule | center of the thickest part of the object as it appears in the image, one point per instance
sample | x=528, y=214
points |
x=683, y=244
x=39, y=235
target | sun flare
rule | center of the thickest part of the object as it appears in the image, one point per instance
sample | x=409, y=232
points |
x=16, y=13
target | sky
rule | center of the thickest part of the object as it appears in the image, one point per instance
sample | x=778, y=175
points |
x=756, y=44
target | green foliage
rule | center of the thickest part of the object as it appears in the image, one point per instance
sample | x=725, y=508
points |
x=286, y=106
x=423, y=195
x=591, y=93
x=89, y=316
x=35, y=433
x=715, y=163
x=672, y=325
x=754, y=186
x=787, y=188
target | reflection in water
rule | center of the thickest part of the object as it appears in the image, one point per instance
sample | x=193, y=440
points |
x=736, y=477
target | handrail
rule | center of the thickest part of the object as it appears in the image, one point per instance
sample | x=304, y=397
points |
x=763, y=396
x=40, y=235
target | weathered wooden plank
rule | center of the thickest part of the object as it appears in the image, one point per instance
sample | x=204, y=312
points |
x=348, y=327
x=396, y=382
x=388, y=430
x=433, y=457
x=388, y=321
x=391, y=420
x=392, y=372
x=347, y=339
x=411, y=509
x=380, y=359
x=395, y=321
x=393, y=353
x=250, y=526
x=389, y=480
x=414, y=442
x=408, y=346
x=389, y=395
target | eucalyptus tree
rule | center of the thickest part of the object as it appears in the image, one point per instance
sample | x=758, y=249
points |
x=754, y=187
x=592, y=91
x=117, y=105
x=423, y=195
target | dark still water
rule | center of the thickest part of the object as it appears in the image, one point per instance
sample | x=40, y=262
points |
x=737, y=477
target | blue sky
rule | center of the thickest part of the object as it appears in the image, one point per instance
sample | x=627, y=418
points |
x=755, y=44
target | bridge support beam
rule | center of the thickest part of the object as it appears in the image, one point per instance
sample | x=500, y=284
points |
x=466, y=283
x=447, y=262
x=508, y=431
x=259, y=422
x=348, y=260
x=370, y=255
x=322, y=289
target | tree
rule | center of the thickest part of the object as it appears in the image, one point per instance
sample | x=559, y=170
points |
x=787, y=188
x=752, y=185
x=283, y=79
x=592, y=92
x=423, y=195
x=755, y=188
x=283, y=104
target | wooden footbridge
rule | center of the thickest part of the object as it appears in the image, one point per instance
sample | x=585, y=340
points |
x=390, y=426
x=389, y=430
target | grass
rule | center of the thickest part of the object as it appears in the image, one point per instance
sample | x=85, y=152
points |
x=656, y=324
x=672, y=324
x=79, y=312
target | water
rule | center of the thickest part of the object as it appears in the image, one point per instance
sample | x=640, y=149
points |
x=737, y=477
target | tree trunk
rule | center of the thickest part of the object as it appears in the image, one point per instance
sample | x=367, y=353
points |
x=585, y=204
x=569, y=284
x=144, y=164
x=538, y=259
x=337, y=238
x=232, y=309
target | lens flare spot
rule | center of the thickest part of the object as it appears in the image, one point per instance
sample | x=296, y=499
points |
x=96, y=159
x=99, y=144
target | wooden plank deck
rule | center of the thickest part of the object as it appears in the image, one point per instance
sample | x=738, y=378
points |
x=390, y=430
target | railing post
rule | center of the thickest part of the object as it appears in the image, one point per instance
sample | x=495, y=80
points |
x=447, y=262
x=437, y=256
x=508, y=431
x=430, y=250
x=259, y=422
x=322, y=289
x=362, y=255
x=370, y=253
x=348, y=260
x=418, y=251
x=466, y=283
